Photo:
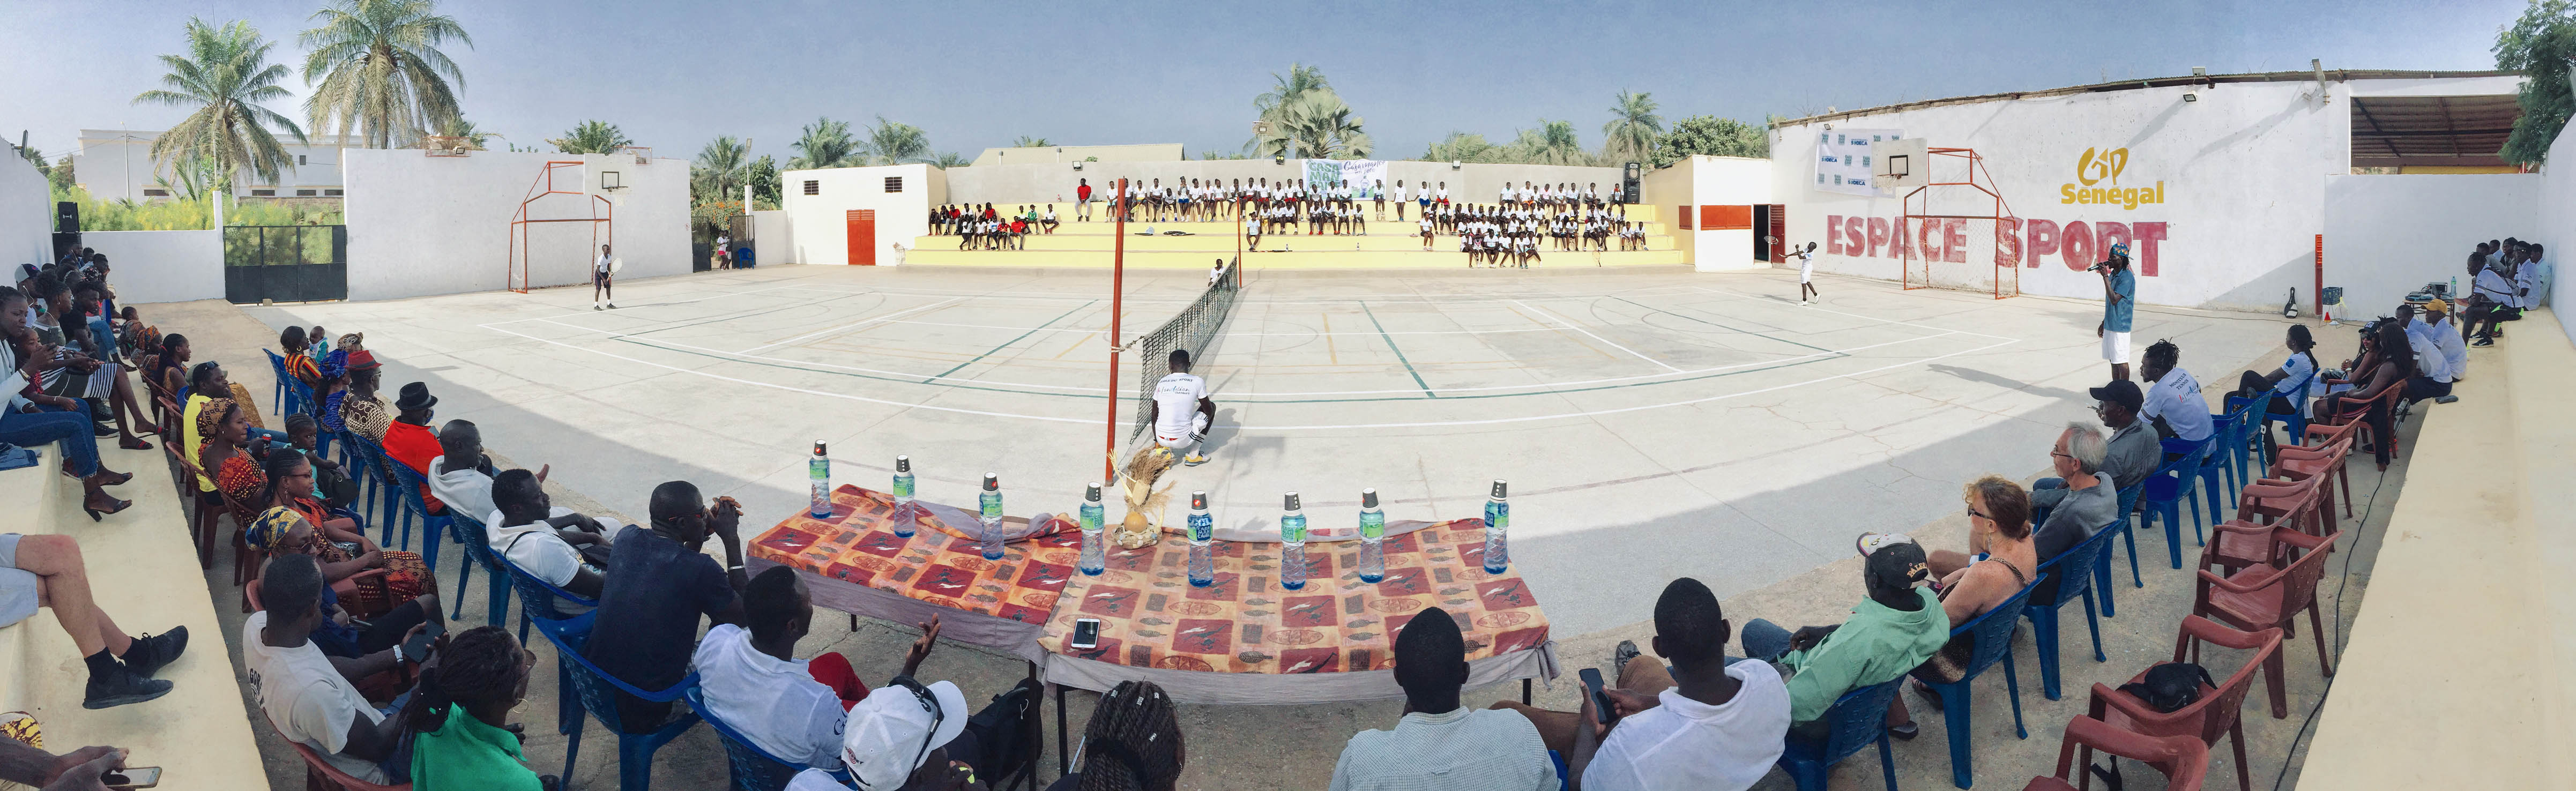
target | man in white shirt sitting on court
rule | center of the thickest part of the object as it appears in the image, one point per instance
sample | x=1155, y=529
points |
x=1182, y=410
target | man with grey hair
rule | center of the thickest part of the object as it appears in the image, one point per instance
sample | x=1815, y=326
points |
x=2090, y=503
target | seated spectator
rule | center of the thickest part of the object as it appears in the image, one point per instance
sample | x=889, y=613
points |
x=330, y=483
x=1133, y=743
x=461, y=716
x=78, y=770
x=2441, y=356
x=1999, y=522
x=231, y=457
x=37, y=419
x=343, y=633
x=1890, y=633
x=1705, y=724
x=461, y=475
x=48, y=571
x=2135, y=451
x=567, y=550
x=658, y=583
x=333, y=540
x=2173, y=400
x=752, y=680
x=206, y=383
x=311, y=699
x=360, y=410
x=2086, y=503
x=906, y=735
x=409, y=441
x=98, y=345
x=2387, y=360
x=321, y=342
x=1440, y=744
x=2298, y=378
x=170, y=367
x=299, y=364
x=2492, y=298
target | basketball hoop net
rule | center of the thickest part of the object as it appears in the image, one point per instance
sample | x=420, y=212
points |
x=1924, y=221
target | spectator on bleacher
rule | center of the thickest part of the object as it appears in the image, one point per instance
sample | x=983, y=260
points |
x=751, y=679
x=2173, y=401
x=1133, y=743
x=33, y=418
x=1892, y=631
x=62, y=334
x=657, y=585
x=2299, y=375
x=1999, y=527
x=1440, y=744
x=334, y=541
x=311, y=699
x=2491, y=298
x=2439, y=353
x=78, y=770
x=206, y=383
x=460, y=716
x=329, y=482
x=1082, y=200
x=409, y=440
x=231, y=457
x=170, y=367
x=360, y=409
x=2533, y=277
x=2387, y=360
x=1704, y=724
x=98, y=342
x=461, y=475
x=48, y=571
x=1049, y=221
x=566, y=549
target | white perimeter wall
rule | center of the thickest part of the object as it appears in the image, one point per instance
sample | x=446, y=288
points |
x=422, y=225
x=26, y=215
x=773, y=241
x=162, y=266
x=821, y=221
x=2557, y=210
x=2389, y=235
x=2243, y=171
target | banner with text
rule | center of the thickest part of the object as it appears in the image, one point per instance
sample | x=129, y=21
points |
x=1843, y=159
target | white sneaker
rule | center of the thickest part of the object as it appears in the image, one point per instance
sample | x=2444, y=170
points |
x=594, y=306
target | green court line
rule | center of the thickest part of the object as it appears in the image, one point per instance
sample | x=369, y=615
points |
x=1399, y=357
x=1721, y=326
x=1007, y=344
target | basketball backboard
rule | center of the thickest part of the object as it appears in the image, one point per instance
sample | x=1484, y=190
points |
x=1903, y=165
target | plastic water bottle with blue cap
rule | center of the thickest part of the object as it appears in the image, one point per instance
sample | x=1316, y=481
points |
x=819, y=471
x=1372, y=538
x=1094, y=552
x=904, y=520
x=991, y=516
x=1498, y=522
x=1202, y=533
x=1292, y=544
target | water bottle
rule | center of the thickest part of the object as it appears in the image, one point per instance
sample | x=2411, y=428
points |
x=1292, y=544
x=1094, y=553
x=1372, y=538
x=904, y=521
x=1498, y=521
x=820, y=471
x=991, y=500
x=2454, y=291
x=1202, y=531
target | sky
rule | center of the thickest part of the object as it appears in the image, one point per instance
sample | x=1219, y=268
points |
x=975, y=74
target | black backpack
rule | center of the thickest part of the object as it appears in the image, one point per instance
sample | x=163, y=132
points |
x=2167, y=688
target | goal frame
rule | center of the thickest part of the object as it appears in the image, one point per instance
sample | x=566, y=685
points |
x=2007, y=282
x=544, y=185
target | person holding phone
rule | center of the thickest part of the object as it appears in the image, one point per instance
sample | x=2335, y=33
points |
x=84, y=769
x=460, y=715
x=308, y=696
x=1706, y=724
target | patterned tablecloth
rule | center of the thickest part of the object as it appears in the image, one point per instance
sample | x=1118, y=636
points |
x=1245, y=623
x=856, y=550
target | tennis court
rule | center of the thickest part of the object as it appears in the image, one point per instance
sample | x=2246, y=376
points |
x=1653, y=423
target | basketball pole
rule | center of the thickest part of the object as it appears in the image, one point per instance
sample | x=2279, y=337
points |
x=1117, y=297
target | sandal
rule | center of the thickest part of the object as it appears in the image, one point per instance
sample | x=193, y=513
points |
x=96, y=509
x=106, y=478
x=134, y=443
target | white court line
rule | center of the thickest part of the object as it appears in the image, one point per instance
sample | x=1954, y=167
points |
x=656, y=304
x=1102, y=330
x=1373, y=299
x=1588, y=333
x=1773, y=301
x=853, y=325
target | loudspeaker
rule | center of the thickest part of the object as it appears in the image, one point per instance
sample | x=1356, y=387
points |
x=66, y=243
x=1630, y=177
x=66, y=217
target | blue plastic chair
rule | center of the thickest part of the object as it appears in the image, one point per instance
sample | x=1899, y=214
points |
x=2078, y=583
x=2164, y=491
x=1856, y=720
x=2213, y=472
x=754, y=769
x=598, y=692
x=277, y=394
x=537, y=597
x=1993, y=635
x=2102, y=562
x=432, y=526
x=478, y=551
x=382, y=493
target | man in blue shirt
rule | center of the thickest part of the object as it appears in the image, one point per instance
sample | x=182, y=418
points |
x=2119, y=309
x=658, y=584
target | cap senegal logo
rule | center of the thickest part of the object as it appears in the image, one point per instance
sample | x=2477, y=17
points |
x=2097, y=166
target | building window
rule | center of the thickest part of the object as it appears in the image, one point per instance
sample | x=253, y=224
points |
x=813, y=188
x=299, y=159
x=894, y=183
x=306, y=193
x=153, y=193
x=330, y=193
x=263, y=193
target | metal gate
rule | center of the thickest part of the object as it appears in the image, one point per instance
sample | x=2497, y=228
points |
x=286, y=263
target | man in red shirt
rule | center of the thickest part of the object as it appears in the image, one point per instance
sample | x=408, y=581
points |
x=410, y=441
x=1019, y=233
x=1082, y=201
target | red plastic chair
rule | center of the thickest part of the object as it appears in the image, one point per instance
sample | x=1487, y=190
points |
x=320, y=774
x=201, y=528
x=2325, y=436
x=2219, y=710
x=2183, y=760
x=2267, y=596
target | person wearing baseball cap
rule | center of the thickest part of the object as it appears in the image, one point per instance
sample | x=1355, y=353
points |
x=2440, y=355
x=2135, y=448
x=907, y=734
x=2119, y=308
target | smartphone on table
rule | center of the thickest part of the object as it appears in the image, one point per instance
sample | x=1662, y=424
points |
x=1601, y=707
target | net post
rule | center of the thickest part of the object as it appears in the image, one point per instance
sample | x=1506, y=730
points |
x=1117, y=297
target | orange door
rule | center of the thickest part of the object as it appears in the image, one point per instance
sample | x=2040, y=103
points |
x=863, y=237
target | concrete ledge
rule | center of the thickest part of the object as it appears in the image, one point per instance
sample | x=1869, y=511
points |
x=2457, y=672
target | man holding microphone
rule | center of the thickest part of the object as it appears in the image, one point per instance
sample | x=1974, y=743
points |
x=2119, y=309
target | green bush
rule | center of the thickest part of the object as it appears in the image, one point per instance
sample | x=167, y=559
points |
x=186, y=214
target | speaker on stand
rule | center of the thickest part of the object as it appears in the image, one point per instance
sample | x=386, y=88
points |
x=1628, y=182
x=66, y=229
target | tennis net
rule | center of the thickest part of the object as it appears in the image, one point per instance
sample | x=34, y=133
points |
x=1192, y=329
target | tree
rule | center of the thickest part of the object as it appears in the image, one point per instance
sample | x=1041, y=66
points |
x=951, y=159
x=225, y=75
x=61, y=176
x=1632, y=129
x=895, y=143
x=1285, y=89
x=1321, y=126
x=763, y=177
x=475, y=137
x=720, y=170
x=825, y=143
x=379, y=69
x=1712, y=136
x=1460, y=147
x=591, y=137
x=2541, y=45
x=1552, y=143
x=1026, y=141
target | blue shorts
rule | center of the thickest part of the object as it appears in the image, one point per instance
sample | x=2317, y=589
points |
x=18, y=587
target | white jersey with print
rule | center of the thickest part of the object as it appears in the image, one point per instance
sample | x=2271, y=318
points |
x=1176, y=399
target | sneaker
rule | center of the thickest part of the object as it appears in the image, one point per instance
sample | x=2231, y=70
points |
x=1870, y=542
x=151, y=652
x=594, y=306
x=2483, y=341
x=2445, y=399
x=612, y=306
x=1194, y=460
x=1619, y=656
x=121, y=687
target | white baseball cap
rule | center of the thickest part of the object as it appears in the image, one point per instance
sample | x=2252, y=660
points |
x=892, y=730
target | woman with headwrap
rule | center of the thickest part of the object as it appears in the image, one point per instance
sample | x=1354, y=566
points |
x=295, y=523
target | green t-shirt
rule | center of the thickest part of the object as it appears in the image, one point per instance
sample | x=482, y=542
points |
x=1877, y=644
x=466, y=753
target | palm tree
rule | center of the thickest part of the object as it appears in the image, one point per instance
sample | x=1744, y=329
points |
x=475, y=137
x=190, y=178
x=1633, y=127
x=1552, y=143
x=591, y=137
x=950, y=159
x=1320, y=124
x=225, y=75
x=378, y=68
x=720, y=169
x=895, y=143
x=825, y=143
x=1460, y=147
x=1300, y=80
x=1026, y=141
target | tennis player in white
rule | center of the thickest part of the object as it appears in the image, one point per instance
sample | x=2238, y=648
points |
x=599, y=284
x=1806, y=273
x=1182, y=410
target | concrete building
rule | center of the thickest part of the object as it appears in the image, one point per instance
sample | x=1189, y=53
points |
x=117, y=164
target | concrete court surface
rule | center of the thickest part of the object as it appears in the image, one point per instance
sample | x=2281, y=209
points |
x=1702, y=423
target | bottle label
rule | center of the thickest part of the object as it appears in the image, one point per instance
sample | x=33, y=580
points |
x=903, y=486
x=1373, y=524
x=819, y=468
x=1202, y=527
x=1292, y=528
x=1091, y=515
x=992, y=503
x=1498, y=515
